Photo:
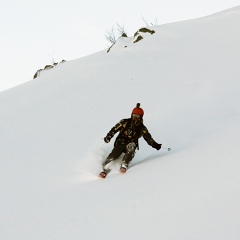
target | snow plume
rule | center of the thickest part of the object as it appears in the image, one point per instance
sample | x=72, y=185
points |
x=88, y=168
x=186, y=77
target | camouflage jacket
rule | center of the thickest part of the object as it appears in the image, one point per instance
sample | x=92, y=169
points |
x=130, y=131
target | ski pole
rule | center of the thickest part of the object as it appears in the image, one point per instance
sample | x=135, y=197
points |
x=169, y=149
x=101, y=146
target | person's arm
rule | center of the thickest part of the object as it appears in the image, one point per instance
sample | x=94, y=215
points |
x=148, y=138
x=114, y=130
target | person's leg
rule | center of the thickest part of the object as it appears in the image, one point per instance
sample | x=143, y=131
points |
x=116, y=152
x=129, y=155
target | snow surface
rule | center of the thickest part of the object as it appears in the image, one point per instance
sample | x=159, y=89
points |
x=186, y=77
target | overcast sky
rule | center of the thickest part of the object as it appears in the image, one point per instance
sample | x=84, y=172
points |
x=35, y=33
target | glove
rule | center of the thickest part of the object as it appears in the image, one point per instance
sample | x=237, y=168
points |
x=157, y=146
x=107, y=139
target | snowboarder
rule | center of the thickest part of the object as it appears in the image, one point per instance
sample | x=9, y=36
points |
x=130, y=130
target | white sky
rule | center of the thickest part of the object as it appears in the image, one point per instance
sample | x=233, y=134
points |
x=34, y=33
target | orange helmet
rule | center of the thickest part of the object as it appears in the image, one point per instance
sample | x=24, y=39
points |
x=138, y=110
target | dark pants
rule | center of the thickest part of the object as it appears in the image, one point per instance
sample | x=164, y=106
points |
x=118, y=149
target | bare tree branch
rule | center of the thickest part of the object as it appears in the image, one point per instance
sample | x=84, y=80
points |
x=111, y=35
x=121, y=30
x=145, y=21
x=153, y=24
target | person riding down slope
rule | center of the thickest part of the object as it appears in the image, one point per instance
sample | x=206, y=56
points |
x=130, y=130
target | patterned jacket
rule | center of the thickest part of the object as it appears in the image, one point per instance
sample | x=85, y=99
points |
x=131, y=131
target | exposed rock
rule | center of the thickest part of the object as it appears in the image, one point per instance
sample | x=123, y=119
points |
x=47, y=67
x=37, y=74
x=110, y=48
x=138, y=35
x=146, y=30
x=124, y=41
x=138, y=39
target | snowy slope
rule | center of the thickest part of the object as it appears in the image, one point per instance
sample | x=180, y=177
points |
x=186, y=77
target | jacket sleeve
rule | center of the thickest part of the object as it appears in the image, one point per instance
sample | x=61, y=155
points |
x=148, y=138
x=116, y=128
